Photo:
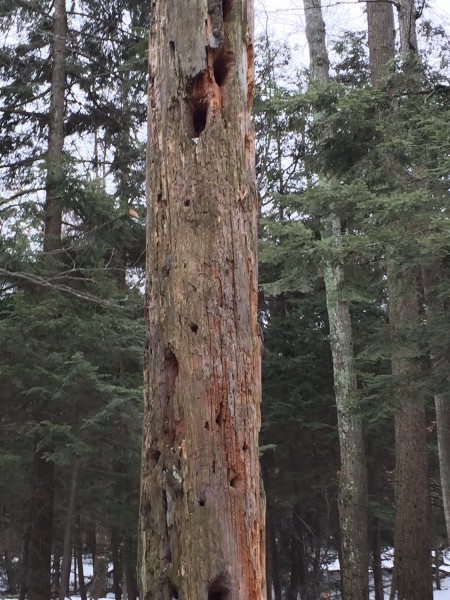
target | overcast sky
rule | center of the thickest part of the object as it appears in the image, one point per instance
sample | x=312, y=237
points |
x=284, y=19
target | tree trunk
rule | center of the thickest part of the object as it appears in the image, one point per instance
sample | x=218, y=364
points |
x=79, y=558
x=67, y=546
x=130, y=560
x=100, y=574
x=10, y=573
x=431, y=278
x=54, y=186
x=202, y=504
x=353, y=480
x=412, y=578
x=381, y=39
x=117, y=566
x=41, y=534
x=376, y=561
x=39, y=559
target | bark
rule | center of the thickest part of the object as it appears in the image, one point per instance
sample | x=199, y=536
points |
x=412, y=576
x=41, y=533
x=353, y=481
x=100, y=574
x=412, y=579
x=54, y=187
x=43, y=476
x=381, y=38
x=407, y=15
x=202, y=504
x=431, y=278
x=67, y=546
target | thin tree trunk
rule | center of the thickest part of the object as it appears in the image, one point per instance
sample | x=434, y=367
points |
x=130, y=560
x=202, y=503
x=117, y=566
x=100, y=575
x=376, y=561
x=353, y=480
x=10, y=574
x=55, y=161
x=79, y=557
x=67, y=547
x=41, y=534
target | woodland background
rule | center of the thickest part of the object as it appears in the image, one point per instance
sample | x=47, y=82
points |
x=71, y=314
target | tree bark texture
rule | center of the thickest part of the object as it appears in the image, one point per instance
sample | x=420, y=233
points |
x=381, y=38
x=407, y=15
x=202, y=503
x=353, y=477
x=353, y=480
x=54, y=188
x=412, y=579
x=101, y=563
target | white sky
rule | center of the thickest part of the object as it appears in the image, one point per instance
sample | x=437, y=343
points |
x=284, y=19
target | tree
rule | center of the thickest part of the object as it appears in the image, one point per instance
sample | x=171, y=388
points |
x=412, y=570
x=202, y=506
x=353, y=477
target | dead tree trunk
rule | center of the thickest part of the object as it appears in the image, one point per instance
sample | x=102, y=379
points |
x=202, y=506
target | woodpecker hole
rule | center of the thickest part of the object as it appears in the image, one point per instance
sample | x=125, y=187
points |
x=227, y=7
x=223, y=63
x=194, y=327
x=171, y=372
x=202, y=500
x=154, y=454
x=173, y=593
x=197, y=105
x=219, y=589
x=187, y=203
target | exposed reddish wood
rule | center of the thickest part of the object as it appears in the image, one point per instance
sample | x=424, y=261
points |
x=202, y=506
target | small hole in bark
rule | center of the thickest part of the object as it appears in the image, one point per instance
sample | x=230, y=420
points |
x=219, y=589
x=199, y=115
x=172, y=48
x=187, y=202
x=206, y=425
x=194, y=327
x=234, y=481
x=171, y=372
x=245, y=447
x=222, y=65
x=173, y=593
x=202, y=500
x=154, y=455
x=227, y=6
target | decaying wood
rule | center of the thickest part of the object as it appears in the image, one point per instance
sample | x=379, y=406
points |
x=202, y=505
